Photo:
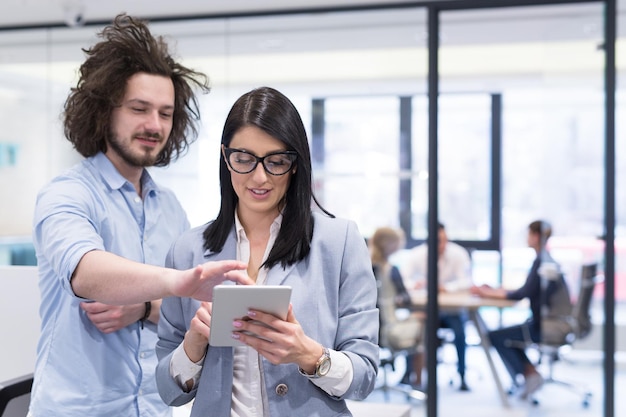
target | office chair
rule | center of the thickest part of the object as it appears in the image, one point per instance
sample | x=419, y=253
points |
x=578, y=327
x=15, y=396
x=392, y=335
x=387, y=364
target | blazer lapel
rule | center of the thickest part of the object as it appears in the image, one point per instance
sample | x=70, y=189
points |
x=277, y=275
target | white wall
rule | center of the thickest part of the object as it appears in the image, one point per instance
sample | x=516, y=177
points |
x=19, y=320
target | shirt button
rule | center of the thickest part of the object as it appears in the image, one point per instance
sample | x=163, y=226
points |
x=137, y=199
x=281, y=389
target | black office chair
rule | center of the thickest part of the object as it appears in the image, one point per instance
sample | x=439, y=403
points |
x=15, y=396
x=554, y=341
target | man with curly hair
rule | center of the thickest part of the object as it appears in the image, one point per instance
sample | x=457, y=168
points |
x=103, y=228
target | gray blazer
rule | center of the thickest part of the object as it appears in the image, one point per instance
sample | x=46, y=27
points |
x=334, y=299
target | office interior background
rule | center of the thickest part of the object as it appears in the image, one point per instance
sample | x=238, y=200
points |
x=357, y=71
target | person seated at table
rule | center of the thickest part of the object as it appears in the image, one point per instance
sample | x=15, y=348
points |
x=454, y=274
x=395, y=333
x=510, y=342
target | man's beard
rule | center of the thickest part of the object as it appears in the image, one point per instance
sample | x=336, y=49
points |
x=143, y=160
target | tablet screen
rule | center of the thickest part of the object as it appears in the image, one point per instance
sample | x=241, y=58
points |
x=232, y=302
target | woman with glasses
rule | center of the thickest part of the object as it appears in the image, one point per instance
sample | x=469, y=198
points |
x=326, y=350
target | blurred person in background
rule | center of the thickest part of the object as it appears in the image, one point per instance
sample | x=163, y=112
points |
x=548, y=294
x=454, y=274
x=397, y=333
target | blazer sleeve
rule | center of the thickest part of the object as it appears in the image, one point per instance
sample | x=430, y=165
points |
x=357, y=326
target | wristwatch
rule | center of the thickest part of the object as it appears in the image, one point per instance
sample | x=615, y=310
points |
x=321, y=367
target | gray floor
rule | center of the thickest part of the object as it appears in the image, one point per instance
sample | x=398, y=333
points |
x=584, y=368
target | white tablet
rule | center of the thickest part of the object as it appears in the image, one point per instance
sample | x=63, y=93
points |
x=232, y=302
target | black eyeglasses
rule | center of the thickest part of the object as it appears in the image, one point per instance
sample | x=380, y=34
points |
x=275, y=163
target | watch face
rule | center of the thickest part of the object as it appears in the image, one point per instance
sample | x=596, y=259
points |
x=324, y=367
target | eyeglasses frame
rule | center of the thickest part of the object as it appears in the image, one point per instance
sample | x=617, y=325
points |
x=259, y=159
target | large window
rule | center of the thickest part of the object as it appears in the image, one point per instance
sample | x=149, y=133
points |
x=464, y=166
x=362, y=148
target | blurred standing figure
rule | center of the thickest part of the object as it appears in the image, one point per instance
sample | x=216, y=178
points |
x=546, y=289
x=395, y=333
x=454, y=274
x=326, y=350
x=102, y=230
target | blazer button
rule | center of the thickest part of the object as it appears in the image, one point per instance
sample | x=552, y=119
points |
x=281, y=389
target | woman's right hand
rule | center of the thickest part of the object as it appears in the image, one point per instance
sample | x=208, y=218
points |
x=197, y=337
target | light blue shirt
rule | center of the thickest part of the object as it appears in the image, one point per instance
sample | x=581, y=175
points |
x=79, y=370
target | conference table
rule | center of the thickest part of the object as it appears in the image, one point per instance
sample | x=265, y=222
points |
x=464, y=300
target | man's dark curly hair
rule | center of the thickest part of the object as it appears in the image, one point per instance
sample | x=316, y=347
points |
x=127, y=49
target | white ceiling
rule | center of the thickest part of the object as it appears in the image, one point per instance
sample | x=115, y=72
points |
x=18, y=13
x=29, y=13
x=563, y=39
x=546, y=23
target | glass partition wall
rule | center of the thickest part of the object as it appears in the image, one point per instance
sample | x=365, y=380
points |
x=540, y=71
x=520, y=127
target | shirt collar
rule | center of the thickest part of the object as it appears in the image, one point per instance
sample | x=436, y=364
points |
x=115, y=180
x=241, y=233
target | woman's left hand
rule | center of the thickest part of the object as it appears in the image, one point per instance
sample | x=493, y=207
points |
x=279, y=341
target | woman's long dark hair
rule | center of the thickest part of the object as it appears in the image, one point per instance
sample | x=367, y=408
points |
x=272, y=112
x=128, y=48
